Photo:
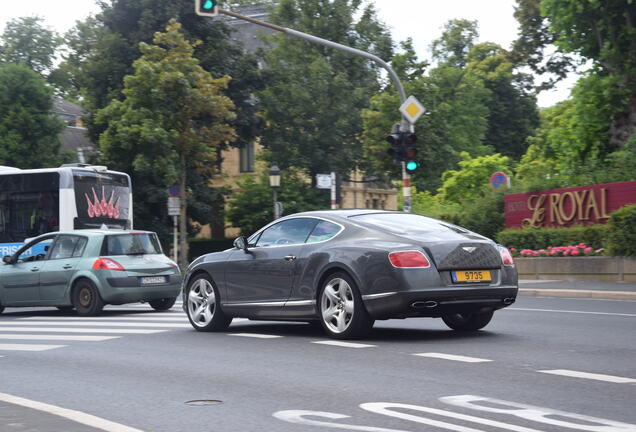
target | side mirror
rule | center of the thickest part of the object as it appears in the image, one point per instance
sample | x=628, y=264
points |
x=7, y=259
x=241, y=243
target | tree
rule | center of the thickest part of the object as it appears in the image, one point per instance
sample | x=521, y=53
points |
x=28, y=130
x=103, y=49
x=458, y=38
x=167, y=129
x=511, y=103
x=315, y=94
x=604, y=31
x=26, y=40
x=252, y=207
x=532, y=47
x=470, y=181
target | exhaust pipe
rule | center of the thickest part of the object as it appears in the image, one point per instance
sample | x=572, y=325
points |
x=508, y=301
x=424, y=304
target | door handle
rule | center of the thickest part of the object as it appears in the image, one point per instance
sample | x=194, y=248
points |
x=67, y=266
x=34, y=269
x=290, y=257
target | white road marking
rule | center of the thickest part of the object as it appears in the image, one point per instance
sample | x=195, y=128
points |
x=453, y=357
x=180, y=318
x=254, y=335
x=76, y=416
x=587, y=375
x=568, y=311
x=387, y=408
x=95, y=323
x=80, y=330
x=81, y=338
x=562, y=419
x=344, y=344
x=28, y=347
x=298, y=417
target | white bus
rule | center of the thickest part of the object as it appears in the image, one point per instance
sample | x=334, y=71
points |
x=73, y=196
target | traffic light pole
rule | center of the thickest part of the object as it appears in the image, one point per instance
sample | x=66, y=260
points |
x=405, y=125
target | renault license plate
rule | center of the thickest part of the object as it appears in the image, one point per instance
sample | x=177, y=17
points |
x=150, y=280
x=471, y=276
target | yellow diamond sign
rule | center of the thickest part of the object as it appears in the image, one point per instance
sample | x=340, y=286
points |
x=412, y=109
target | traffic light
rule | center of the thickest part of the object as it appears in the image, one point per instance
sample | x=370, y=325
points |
x=409, y=141
x=396, y=151
x=209, y=8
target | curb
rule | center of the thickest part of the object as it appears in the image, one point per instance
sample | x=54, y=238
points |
x=572, y=293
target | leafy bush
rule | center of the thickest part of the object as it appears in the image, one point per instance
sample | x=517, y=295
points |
x=621, y=235
x=483, y=215
x=540, y=238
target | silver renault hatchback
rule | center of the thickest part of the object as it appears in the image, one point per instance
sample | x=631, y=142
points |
x=88, y=269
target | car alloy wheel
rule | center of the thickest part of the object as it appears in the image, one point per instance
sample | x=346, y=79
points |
x=336, y=305
x=342, y=313
x=203, y=306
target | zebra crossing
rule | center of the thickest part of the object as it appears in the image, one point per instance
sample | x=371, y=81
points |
x=43, y=332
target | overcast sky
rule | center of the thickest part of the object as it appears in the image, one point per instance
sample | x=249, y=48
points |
x=421, y=20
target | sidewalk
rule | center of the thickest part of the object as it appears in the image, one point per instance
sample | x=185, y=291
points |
x=590, y=290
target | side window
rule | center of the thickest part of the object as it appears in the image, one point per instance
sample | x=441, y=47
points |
x=64, y=247
x=291, y=231
x=323, y=231
x=36, y=251
x=79, y=247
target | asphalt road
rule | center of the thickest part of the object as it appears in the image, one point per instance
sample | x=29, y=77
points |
x=544, y=364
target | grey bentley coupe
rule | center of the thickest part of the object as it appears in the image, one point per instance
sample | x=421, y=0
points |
x=347, y=268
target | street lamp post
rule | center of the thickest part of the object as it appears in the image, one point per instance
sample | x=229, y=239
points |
x=274, y=182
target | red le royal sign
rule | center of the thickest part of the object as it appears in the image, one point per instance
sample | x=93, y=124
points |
x=564, y=207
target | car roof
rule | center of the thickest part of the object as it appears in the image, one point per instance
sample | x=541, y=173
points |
x=342, y=213
x=98, y=232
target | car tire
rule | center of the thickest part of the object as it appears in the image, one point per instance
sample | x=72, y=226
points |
x=203, y=305
x=342, y=313
x=86, y=299
x=1, y=309
x=162, y=304
x=65, y=308
x=468, y=321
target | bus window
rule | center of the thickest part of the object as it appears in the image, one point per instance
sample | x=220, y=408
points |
x=29, y=205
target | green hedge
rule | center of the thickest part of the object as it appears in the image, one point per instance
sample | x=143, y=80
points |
x=198, y=247
x=621, y=236
x=594, y=236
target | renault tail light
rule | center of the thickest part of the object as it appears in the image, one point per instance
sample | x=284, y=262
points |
x=107, y=264
x=409, y=259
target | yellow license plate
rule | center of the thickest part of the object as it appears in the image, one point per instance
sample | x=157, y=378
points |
x=471, y=276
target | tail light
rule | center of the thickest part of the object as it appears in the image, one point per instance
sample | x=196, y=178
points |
x=506, y=256
x=409, y=259
x=107, y=264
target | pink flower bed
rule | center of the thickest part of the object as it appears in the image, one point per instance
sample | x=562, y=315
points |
x=558, y=251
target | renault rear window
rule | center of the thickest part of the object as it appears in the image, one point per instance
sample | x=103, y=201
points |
x=131, y=244
x=401, y=223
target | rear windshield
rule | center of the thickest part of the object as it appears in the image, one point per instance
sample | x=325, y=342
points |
x=131, y=244
x=402, y=223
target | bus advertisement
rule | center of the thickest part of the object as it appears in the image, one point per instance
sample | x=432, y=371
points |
x=75, y=196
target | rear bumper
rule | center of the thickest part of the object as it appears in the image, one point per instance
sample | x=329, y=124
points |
x=436, y=302
x=128, y=290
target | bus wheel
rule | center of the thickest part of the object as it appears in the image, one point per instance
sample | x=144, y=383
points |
x=86, y=298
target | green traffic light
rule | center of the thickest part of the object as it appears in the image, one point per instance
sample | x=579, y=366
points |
x=412, y=165
x=208, y=4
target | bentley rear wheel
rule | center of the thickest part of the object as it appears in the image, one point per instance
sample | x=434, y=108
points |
x=204, y=306
x=342, y=313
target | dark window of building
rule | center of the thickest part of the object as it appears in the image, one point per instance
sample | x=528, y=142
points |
x=247, y=157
